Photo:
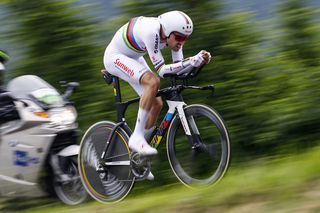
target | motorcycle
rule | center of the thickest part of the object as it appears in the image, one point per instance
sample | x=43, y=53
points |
x=38, y=141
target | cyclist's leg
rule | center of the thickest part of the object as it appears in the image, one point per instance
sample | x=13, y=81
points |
x=154, y=112
x=134, y=72
x=156, y=104
x=123, y=67
x=150, y=84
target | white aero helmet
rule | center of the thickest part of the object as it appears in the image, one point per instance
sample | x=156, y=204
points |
x=176, y=21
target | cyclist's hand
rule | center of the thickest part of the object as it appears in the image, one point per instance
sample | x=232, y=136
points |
x=203, y=57
x=197, y=60
x=206, y=56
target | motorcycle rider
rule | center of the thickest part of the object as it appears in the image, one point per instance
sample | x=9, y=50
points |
x=7, y=107
x=3, y=59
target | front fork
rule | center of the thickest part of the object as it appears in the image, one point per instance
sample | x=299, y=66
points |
x=190, y=128
x=57, y=163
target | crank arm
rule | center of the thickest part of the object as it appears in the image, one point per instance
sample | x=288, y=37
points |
x=117, y=163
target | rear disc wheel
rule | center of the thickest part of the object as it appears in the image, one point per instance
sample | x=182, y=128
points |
x=112, y=180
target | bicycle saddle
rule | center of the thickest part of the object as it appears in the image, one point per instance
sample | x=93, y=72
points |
x=107, y=76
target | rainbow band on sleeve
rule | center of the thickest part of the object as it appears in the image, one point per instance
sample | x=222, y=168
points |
x=128, y=36
x=159, y=67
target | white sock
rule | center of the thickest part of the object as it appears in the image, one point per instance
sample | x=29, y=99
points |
x=141, y=122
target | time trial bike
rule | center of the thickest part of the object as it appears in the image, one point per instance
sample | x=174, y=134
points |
x=198, y=144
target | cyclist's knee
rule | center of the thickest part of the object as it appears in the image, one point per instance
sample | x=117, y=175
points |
x=150, y=80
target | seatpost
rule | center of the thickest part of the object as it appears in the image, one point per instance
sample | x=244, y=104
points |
x=117, y=97
x=116, y=90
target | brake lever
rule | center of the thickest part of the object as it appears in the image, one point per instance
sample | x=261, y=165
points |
x=212, y=88
x=209, y=87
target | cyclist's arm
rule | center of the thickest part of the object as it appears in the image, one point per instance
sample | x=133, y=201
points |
x=152, y=43
x=176, y=68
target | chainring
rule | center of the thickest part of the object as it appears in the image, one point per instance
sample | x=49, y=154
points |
x=140, y=166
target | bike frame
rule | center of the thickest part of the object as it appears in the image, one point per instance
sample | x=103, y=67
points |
x=176, y=105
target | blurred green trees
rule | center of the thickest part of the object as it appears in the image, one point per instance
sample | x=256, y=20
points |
x=289, y=77
x=300, y=52
x=267, y=87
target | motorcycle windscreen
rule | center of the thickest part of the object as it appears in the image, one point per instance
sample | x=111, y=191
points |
x=25, y=86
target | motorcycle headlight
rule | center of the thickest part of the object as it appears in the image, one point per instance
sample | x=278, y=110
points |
x=63, y=116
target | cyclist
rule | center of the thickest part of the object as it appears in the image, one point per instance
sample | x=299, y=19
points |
x=123, y=57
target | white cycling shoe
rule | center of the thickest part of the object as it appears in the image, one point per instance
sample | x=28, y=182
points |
x=150, y=176
x=138, y=144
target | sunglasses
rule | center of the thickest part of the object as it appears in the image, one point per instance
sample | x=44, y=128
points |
x=180, y=38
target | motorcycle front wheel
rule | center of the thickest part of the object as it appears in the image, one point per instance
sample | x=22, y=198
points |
x=68, y=187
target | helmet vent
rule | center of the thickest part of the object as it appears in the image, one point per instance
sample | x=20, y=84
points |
x=187, y=20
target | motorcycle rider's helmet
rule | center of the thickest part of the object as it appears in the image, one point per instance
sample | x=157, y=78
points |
x=176, y=21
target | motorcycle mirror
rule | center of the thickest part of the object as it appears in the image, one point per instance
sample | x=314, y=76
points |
x=63, y=83
x=71, y=86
